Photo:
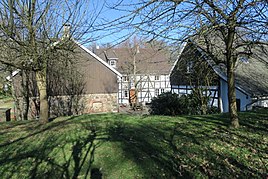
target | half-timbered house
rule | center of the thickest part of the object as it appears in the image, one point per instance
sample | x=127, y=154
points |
x=145, y=72
x=195, y=69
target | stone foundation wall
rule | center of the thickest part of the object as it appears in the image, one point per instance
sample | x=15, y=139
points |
x=76, y=105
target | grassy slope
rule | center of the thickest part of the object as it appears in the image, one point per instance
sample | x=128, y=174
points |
x=6, y=102
x=123, y=146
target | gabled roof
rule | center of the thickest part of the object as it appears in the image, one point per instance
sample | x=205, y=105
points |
x=176, y=61
x=251, y=75
x=148, y=60
x=14, y=73
x=98, y=58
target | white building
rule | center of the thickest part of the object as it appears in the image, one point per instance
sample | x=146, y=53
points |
x=145, y=70
x=251, y=77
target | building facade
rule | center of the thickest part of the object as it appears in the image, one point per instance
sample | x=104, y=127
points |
x=148, y=87
x=80, y=83
x=196, y=69
x=145, y=72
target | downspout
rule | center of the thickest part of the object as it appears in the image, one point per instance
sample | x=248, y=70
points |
x=118, y=93
x=219, y=96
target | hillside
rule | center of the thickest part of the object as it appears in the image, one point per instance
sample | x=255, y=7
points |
x=124, y=146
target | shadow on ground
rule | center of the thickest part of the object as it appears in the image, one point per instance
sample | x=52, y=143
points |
x=193, y=147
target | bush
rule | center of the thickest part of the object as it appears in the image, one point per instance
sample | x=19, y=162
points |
x=165, y=104
x=5, y=93
x=173, y=104
x=213, y=110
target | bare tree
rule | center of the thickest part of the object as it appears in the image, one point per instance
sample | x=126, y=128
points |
x=139, y=56
x=31, y=35
x=237, y=25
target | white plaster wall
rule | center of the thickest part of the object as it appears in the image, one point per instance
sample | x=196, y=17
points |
x=224, y=95
x=162, y=83
x=244, y=98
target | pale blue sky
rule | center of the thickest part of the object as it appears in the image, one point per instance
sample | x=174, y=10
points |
x=109, y=35
x=115, y=34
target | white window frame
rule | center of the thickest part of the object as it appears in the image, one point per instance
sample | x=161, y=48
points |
x=125, y=78
x=112, y=63
x=125, y=93
x=156, y=92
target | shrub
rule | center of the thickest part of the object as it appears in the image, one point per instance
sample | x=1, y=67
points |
x=165, y=104
x=213, y=110
x=173, y=104
x=5, y=93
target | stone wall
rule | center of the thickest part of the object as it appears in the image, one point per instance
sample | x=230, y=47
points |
x=76, y=105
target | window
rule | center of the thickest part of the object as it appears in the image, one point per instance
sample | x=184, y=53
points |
x=162, y=91
x=125, y=93
x=112, y=63
x=244, y=60
x=190, y=65
x=156, y=78
x=156, y=92
x=125, y=78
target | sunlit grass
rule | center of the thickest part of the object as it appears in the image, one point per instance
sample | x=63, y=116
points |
x=125, y=146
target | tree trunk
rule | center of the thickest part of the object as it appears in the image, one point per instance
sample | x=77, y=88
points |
x=25, y=94
x=232, y=95
x=204, y=109
x=42, y=87
x=135, y=79
x=17, y=112
x=231, y=59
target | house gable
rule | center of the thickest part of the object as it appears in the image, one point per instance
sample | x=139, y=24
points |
x=98, y=59
x=251, y=75
x=192, y=70
x=99, y=76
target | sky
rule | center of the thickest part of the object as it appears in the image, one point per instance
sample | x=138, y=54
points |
x=115, y=34
x=111, y=34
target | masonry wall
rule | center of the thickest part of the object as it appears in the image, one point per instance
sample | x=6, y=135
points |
x=77, y=105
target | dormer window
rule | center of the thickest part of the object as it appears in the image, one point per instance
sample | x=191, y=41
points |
x=112, y=62
x=244, y=60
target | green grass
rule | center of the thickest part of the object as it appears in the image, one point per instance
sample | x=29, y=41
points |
x=124, y=146
x=6, y=102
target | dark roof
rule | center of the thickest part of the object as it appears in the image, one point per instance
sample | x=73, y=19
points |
x=148, y=60
x=251, y=74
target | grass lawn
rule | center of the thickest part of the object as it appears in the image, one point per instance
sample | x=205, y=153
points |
x=6, y=102
x=124, y=146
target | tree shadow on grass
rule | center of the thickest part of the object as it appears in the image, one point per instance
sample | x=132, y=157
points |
x=47, y=154
x=147, y=146
x=180, y=151
x=191, y=148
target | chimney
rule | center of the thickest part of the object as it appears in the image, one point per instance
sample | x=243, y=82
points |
x=138, y=49
x=95, y=47
x=66, y=30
